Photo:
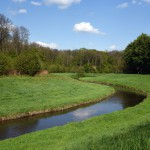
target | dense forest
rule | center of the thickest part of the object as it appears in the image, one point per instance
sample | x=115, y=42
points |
x=19, y=55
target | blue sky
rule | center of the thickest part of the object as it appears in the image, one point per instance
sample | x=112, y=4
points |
x=73, y=24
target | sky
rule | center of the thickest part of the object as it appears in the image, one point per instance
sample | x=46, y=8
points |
x=73, y=24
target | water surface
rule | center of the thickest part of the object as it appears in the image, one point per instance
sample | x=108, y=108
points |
x=120, y=100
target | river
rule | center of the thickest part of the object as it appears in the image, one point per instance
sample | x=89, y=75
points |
x=121, y=99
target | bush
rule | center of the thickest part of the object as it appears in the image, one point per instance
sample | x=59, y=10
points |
x=29, y=63
x=89, y=68
x=5, y=64
x=55, y=68
x=80, y=73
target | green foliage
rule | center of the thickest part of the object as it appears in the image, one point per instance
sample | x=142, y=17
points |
x=5, y=24
x=55, y=68
x=5, y=64
x=29, y=63
x=137, y=55
x=89, y=68
x=80, y=73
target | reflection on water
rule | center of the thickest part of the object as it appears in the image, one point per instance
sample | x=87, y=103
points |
x=120, y=100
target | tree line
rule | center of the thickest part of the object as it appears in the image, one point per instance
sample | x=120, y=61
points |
x=18, y=54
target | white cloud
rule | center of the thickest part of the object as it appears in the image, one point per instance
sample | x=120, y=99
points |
x=147, y=1
x=83, y=114
x=113, y=47
x=139, y=2
x=36, y=3
x=16, y=12
x=19, y=1
x=123, y=5
x=22, y=11
x=86, y=27
x=61, y=3
x=50, y=45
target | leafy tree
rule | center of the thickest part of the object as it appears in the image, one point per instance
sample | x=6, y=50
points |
x=5, y=26
x=80, y=73
x=137, y=55
x=20, y=36
x=5, y=64
x=24, y=35
x=29, y=63
x=116, y=60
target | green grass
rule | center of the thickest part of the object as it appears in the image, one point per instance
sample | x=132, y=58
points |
x=121, y=130
x=139, y=82
x=28, y=94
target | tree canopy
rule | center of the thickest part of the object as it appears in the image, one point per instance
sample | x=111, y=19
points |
x=137, y=55
x=18, y=55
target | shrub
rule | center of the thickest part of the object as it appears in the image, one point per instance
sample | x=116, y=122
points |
x=5, y=64
x=29, y=63
x=55, y=68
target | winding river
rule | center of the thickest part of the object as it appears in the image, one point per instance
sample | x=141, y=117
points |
x=121, y=99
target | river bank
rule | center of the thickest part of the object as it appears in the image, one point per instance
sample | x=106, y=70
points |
x=24, y=96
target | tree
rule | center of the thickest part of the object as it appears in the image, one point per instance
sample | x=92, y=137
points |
x=16, y=40
x=117, y=62
x=29, y=63
x=20, y=36
x=5, y=26
x=24, y=35
x=137, y=55
x=5, y=64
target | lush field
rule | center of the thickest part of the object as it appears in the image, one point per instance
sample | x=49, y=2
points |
x=139, y=82
x=127, y=129
x=28, y=94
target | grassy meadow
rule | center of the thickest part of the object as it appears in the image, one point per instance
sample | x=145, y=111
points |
x=30, y=94
x=135, y=81
x=126, y=129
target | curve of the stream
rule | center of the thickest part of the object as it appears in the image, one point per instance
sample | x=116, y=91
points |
x=121, y=99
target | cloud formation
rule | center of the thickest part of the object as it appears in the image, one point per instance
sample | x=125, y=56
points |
x=113, y=47
x=36, y=3
x=87, y=28
x=22, y=11
x=16, y=12
x=147, y=1
x=62, y=4
x=50, y=45
x=123, y=5
x=140, y=2
x=83, y=114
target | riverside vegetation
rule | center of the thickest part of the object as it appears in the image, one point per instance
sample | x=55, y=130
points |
x=126, y=129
